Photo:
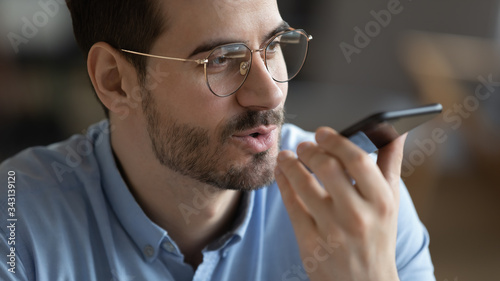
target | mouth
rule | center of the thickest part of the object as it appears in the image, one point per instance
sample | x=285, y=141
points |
x=255, y=132
x=256, y=140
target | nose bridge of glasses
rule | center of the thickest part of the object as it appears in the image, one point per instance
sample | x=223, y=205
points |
x=261, y=51
x=262, y=55
x=244, y=66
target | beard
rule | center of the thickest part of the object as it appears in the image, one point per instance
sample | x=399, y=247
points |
x=189, y=150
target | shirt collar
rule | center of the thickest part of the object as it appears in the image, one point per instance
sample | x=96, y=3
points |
x=240, y=225
x=144, y=232
x=147, y=235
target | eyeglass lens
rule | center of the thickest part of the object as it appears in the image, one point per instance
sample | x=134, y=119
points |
x=228, y=66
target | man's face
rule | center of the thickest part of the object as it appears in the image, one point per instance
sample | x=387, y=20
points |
x=228, y=142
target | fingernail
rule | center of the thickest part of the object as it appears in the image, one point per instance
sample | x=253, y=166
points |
x=302, y=147
x=322, y=135
x=284, y=155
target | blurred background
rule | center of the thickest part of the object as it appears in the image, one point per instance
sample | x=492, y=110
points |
x=366, y=56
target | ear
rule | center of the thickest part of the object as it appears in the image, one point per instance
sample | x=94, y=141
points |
x=114, y=79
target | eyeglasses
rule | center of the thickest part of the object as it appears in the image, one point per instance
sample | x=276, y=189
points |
x=227, y=66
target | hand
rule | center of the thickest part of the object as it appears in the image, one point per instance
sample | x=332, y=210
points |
x=344, y=231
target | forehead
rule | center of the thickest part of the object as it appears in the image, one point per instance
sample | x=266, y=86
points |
x=199, y=20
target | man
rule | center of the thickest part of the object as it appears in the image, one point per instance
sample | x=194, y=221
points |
x=182, y=182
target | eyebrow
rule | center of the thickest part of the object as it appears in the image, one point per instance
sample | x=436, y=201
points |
x=210, y=45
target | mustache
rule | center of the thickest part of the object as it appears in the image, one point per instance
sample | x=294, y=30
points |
x=252, y=119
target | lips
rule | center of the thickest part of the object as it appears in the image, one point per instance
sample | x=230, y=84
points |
x=256, y=140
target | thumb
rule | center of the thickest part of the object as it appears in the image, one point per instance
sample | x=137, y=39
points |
x=390, y=158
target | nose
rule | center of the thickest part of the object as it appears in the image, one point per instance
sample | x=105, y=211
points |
x=260, y=91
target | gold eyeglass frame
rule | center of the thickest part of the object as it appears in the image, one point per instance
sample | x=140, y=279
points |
x=243, y=67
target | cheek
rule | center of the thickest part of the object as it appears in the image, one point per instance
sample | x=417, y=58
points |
x=187, y=100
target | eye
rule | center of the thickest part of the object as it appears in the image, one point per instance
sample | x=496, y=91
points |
x=228, y=58
x=218, y=61
x=273, y=47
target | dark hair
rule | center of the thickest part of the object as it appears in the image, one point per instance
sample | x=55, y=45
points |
x=124, y=24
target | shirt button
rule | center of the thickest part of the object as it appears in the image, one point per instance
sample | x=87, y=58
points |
x=149, y=251
x=168, y=247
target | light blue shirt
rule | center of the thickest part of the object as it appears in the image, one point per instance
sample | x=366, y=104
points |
x=73, y=218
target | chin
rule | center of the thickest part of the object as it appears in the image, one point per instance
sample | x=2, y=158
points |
x=248, y=171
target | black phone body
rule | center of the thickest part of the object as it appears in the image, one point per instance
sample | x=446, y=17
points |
x=379, y=129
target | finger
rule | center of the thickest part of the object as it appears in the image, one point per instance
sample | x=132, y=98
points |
x=389, y=160
x=359, y=165
x=303, y=183
x=297, y=211
x=329, y=171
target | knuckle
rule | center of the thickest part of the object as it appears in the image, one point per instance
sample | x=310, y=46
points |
x=309, y=243
x=307, y=181
x=336, y=232
x=385, y=208
x=330, y=142
x=323, y=164
x=360, y=225
x=298, y=178
x=362, y=161
x=288, y=165
x=334, y=142
x=393, y=178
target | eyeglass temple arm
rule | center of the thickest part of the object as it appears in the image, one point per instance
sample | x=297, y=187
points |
x=199, y=61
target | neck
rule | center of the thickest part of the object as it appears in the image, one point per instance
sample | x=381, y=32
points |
x=193, y=214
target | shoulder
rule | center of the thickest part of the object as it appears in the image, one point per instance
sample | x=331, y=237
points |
x=36, y=167
x=56, y=190
x=48, y=165
x=44, y=176
x=44, y=190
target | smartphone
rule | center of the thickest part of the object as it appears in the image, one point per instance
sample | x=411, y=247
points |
x=380, y=129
